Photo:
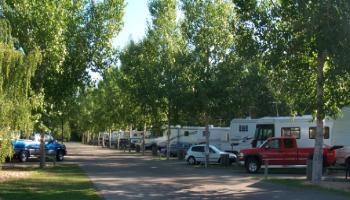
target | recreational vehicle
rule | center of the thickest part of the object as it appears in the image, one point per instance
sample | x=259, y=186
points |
x=219, y=136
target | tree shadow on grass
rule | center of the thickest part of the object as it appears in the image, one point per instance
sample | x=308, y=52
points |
x=62, y=182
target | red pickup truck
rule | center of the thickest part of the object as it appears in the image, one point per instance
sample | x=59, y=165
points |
x=281, y=151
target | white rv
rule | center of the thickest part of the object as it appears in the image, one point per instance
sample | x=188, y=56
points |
x=219, y=136
x=252, y=132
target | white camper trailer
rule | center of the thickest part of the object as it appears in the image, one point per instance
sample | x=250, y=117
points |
x=252, y=132
x=219, y=136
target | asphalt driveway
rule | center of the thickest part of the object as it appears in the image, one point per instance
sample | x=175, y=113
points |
x=119, y=175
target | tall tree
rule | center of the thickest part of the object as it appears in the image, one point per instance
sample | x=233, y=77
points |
x=304, y=45
x=72, y=36
x=207, y=26
x=164, y=34
x=16, y=96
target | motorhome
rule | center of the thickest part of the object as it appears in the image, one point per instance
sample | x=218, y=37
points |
x=252, y=132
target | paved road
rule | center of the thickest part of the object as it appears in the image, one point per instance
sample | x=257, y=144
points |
x=118, y=175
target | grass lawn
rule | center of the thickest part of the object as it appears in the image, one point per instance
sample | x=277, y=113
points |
x=66, y=182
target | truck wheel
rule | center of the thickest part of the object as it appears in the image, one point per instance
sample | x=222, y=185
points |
x=23, y=156
x=252, y=165
x=191, y=160
x=60, y=156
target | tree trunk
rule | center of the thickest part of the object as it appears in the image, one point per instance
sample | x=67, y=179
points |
x=168, y=139
x=143, y=138
x=62, y=124
x=82, y=138
x=88, y=139
x=42, y=150
x=130, y=135
x=318, y=157
x=103, y=139
x=207, y=134
x=110, y=138
x=98, y=139
x=118, y=147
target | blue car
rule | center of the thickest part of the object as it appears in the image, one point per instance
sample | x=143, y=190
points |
x=26, y=148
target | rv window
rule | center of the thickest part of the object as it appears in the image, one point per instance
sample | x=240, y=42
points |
x=186, y=133
x=312, y=132
x=198, y=148
x=243, y=128
x=290, y=132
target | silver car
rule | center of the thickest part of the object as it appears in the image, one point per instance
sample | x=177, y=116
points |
x=196, y=155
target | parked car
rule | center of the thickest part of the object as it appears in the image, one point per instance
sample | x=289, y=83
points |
x=23, y=149
x=175, y=148
x=134, y=141
x=281, y=151
x=196, y=154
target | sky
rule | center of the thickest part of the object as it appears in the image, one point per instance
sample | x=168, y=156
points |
x=135, y=22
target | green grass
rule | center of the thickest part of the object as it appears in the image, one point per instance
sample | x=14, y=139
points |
x=66, y=182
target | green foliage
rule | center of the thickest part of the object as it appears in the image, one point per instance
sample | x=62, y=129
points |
x=16, y=97
x=208, y=29
x=72, y=38
x=291, y=37
x=6, y=149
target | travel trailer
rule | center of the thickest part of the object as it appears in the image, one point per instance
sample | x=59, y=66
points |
x=252, y=132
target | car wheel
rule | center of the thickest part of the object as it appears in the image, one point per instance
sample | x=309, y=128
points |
x=23, y=156
x=191, y=160
x=60, y=156
x=252, y=165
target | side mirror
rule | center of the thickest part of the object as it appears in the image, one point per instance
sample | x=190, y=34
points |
x=266, y=147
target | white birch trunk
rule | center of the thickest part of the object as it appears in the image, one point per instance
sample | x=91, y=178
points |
x=318, y=151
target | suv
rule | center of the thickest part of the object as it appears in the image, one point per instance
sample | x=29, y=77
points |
x=196, y=154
